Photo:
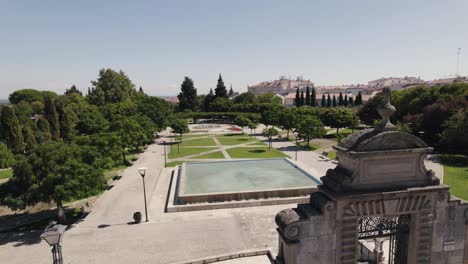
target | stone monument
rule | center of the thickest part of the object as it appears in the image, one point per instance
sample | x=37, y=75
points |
x=379, y=191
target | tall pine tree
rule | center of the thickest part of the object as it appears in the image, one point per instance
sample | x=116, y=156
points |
x=307, y=96
x=358, y=100
x=231, y=92
x=302, y=98
x=334, y=101
x=324, y=101
x=298, y=98
x=313, y=97
x=220, y=90
x=350, y=101
x=345, y=102
x=188, y=95
x=209, y=98
x=11, y=130
x=340, y=99
x=329, y=102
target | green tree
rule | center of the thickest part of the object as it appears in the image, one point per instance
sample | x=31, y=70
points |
x=50, y=113
x=28, y=137
x=302, y=100
x=242, y=122
x=221, y=104
x=52, y=172
x=334, y=101
x=72, y=90
x=298, y=98
x=345, y=101
x=252, y=126
x=329, y=102
x=43, y=130
x=244, y=98
x=111, y=87
x=271, y=116
x=310, y=127
x=11, y=130
x=313, y=97
x=91, y=121
x=180, y=127
x=358, y=99
x=287, y=120
x=157, y=109
x=340, y=100
x=307, y=97
x=350, y=101
x=65, y=121
x=29, y=95
x=231, y=92
x=323, y=103
x=7, y=159
x=220, y=90
x=269, y=98
x=130, y=132
x=188, y=95
x=454, y=137
x=210, y=97
x=270, y=133
x=338, y=118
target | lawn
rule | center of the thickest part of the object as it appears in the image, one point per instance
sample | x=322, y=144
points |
x=214, y=155
x=193, y=136
x=111, y=173
x=260, y=152
x=4, y=174
x=311, y=147
x=456, y=174
x=173, y=154
x=207, y=141
x=236, y=139
x=174, y=163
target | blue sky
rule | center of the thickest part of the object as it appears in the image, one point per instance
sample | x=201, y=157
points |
x=50, y=45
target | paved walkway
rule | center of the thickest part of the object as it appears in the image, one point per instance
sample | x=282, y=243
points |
x=221, y=147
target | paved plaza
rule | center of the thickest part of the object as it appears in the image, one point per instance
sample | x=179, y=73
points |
x=106, y=235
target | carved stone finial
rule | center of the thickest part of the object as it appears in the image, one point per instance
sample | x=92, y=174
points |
x=385, y=111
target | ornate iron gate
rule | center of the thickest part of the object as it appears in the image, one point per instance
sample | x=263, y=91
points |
x=394, y=227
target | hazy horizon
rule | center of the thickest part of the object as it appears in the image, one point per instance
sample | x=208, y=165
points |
x=51, y=45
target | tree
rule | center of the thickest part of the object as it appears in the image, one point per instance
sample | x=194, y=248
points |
x=271, y=116
x=140, y=90
x=453, y=138
x=313, y=97
x=52, y=172
x=270, y=133
x=156, y=109
x=329, y=102
x=43, y=130
x=345, y=102
x=307, y=97
x=231, y=92
x=298, y=98
x=338, y=118
x=130, y=132
x=66, y=124
x=29, y=95
x=7, y=159
x=358, y=99
x=91, y=121
x=244, y=98
x=334, y=101
x=210, y=97
x=252, y=126
x=111, y=87
x=350, y=101
x=180, y=127
x=310, y=127
x=72, y=90
x=50, y=113
x=220, y=104
x=287, y=120
x=340, y=100
x=242, y=121
x=188, y=95
x=220, y=90
x=28, y=137
x=269, y=98
x=302, y=99
x=323, y=103
x=11, y=130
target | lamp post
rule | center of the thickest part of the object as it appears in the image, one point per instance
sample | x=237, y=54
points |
x=165, y=160
x=297, y=146
x=142, y=172
x=53, y=235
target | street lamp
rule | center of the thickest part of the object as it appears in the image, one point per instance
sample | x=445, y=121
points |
x=53, y=235
x=165, y=160
x=142, y=172
x=297, y=146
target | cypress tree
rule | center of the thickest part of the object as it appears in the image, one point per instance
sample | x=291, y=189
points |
x=329, y=101
x=188, y=95
x=298, y=98
x=43, y=130
x=50, y=112
x=141, y=90
x=66, y=124
x=231, y=92
x=351, y=101
x=209, y=98
x=11, y=130
x=358, y=100
x=220, y=90
x=28, y=137
x=313, y=97
x=340, y=100
x=307, y=97
x=302, y=98
x=334, y=101
x=345, y=100
x=324, y=101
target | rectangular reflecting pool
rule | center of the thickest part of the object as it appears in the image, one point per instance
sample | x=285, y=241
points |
x=222, y=181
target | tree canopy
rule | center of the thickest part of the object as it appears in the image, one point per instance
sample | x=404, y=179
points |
x=188, y=95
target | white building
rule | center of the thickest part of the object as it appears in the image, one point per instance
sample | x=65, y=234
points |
x=282, y=86
x=395, y=83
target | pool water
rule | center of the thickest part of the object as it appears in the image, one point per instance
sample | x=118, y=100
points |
x=244, y=175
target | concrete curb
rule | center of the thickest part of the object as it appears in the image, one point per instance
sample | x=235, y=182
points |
x=235, y=255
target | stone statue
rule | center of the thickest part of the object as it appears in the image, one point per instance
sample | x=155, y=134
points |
x=385, y=111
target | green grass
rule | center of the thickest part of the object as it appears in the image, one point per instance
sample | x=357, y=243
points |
x=260, y=152
x=235, y=140
x=197, y=142
x=214, y=155
x=111, y=173
x=173, y=154
x=310, y=147
x=456, y=174
x=5, y=174
x=174, y=163
x=193, y=136
x=331, y=155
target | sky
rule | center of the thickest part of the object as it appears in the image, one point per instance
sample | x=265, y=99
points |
x=51, y=45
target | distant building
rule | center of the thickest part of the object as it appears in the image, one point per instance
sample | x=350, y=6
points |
x=395, y=83
x=283, y=86
x=174, y=100
x=460, y=79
